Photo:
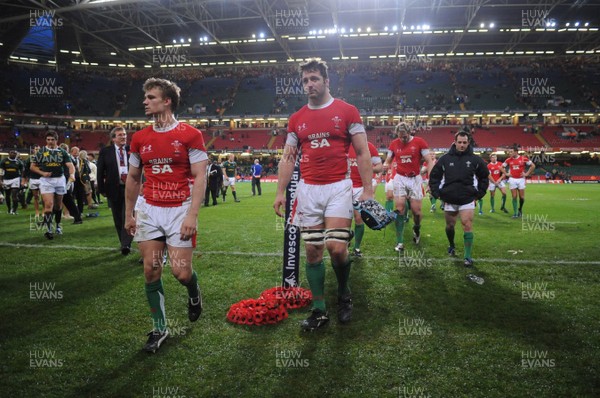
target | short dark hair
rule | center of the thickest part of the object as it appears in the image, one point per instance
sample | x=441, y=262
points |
x=168, y=89
x=52, y=133
x=313, y=65
x=463, y=133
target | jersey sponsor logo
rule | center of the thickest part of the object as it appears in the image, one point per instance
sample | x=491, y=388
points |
x=314, y=144
x=319, y=140
x=318, y=135
x=161, y=169
x=161, y=161
x=406, y=159
x=146, y=149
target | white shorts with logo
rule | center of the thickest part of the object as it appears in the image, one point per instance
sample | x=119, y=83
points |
x=229, y=182
x=155, y=222
x=34, y=184
x=492, y=187
x=453, y=208
x=12, y=183
x=316, y=202
x=516, y=183
x=55, y=185
x=410, y=187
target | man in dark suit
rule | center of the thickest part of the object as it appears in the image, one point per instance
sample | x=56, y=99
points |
x=213, y=182
x=112, y=167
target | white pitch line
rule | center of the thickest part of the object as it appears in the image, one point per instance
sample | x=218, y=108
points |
x=367, y=257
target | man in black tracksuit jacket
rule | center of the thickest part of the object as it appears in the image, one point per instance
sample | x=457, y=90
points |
x=465, y=180
x=213, y=182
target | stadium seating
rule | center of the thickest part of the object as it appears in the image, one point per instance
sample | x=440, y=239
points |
x=553, y=134
x=254, y=96
x=242, y=139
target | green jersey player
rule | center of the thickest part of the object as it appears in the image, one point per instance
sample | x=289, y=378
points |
x=230, y=168
x=49, y=163
x=13, y=171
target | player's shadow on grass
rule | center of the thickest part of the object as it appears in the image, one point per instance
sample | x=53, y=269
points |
x=68, y=283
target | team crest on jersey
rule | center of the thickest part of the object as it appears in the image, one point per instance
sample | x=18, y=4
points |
x=336, y=122
x=176, y=145
x=301, y=127
x=468, y=163
x=146, y=149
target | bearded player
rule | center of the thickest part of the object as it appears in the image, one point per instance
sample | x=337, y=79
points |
x=322, y=131
x=408, y=152
x=169, y=153
x=516, y=182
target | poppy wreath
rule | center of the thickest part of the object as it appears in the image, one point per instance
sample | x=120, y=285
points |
x=270, y=308
x=291, y=297
x=257, y=312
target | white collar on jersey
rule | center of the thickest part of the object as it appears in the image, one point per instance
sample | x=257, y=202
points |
x=325, y=105
x=167, y=127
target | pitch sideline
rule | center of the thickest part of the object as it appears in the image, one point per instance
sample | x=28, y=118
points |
x=245, y=254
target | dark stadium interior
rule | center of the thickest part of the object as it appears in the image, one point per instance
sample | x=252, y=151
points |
x=444, y=64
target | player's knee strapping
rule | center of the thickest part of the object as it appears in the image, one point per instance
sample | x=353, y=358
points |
x=344, y=235
x=313, y=236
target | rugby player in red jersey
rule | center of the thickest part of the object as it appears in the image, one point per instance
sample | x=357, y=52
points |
x=321, y=133
x=168, y=153
x=516, y=182
x=408, y=152
x=497, y=176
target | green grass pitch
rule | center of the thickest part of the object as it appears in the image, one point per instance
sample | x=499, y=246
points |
x=74, y=313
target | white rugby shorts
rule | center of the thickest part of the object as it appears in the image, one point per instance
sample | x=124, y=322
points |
x=314, y=203
x=453, y=208
x=516, y=183
x=409, y=187
x=154, y=222
x=55, y=185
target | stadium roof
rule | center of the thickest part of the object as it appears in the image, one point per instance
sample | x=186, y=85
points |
x=148, y=33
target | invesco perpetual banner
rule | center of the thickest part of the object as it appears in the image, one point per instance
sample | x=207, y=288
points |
x=291, y=237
